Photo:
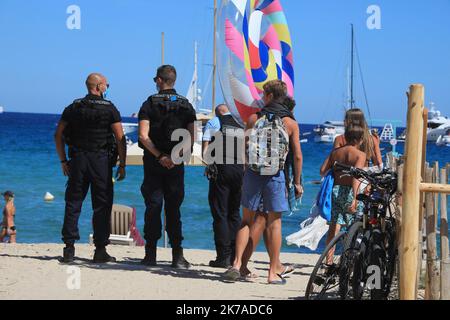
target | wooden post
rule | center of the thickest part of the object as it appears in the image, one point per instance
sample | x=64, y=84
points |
x=445, y=259
x=399, y=213
x=432, y=280
x=411, y=194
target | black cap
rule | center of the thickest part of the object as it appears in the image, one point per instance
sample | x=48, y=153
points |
x=9, y=194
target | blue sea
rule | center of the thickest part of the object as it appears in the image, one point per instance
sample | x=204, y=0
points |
x=30, y=167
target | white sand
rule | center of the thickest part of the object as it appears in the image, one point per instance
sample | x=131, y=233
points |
x=34, y=272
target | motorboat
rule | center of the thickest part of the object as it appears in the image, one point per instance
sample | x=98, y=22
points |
x=329, y=131
x=438, y=125
x=444, y=140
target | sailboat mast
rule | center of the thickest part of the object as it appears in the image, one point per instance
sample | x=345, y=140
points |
x=162, y=48
x=213, y=106
x=352, y=100
x=195, y=89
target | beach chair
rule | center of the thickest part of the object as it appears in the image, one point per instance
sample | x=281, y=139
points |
x=123, y=227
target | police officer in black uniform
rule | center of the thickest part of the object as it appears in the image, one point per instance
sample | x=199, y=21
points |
x=225, y=173
x=159, y=117
x=92, y=129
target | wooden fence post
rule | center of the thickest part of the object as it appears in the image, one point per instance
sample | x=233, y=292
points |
x=432, y=285
x=445, y=259
x=411, y=194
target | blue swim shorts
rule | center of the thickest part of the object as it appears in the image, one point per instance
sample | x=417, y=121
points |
x=264, y=193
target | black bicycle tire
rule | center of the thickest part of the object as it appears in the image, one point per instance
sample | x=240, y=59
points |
x=331, y=245
x=344, y=275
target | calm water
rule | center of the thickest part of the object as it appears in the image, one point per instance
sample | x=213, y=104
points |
x=30, y=167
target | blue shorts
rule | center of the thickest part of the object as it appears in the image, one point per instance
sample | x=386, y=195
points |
x=264, y=193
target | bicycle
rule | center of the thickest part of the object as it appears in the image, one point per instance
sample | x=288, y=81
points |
x=372, y=242
x=325, y=281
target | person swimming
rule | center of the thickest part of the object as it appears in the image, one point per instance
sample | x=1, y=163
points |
x=9, y=212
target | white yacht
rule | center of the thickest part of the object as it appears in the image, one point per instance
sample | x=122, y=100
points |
x=438, y=125
x=1, y=109
x=444, y=140
x=329, y=131
x=129, y=128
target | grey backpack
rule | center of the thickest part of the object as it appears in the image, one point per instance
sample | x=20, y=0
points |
x=268, y=145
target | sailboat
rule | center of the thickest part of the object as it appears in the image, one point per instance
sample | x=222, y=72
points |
x=2, y=110
x=330, y=130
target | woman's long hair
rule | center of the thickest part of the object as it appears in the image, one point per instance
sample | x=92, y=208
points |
x=355, y=117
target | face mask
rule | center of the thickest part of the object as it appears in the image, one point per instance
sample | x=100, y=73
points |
x=106, y=93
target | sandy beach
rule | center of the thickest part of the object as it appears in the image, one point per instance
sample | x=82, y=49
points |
x=34, y=272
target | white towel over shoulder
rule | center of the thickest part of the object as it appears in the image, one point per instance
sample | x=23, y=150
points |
x=311, y=232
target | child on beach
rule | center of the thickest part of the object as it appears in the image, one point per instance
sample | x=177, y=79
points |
x=9, y=211
x=344, y=203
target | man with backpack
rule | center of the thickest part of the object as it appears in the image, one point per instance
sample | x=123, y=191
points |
x=159, y=118
x=224, y=137
x=273, y=132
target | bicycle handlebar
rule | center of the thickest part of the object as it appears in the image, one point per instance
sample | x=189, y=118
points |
x=378, y=179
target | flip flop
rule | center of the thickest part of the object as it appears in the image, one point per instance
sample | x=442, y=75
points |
x=281, y=282
x=232, y=274
x=288, y=270
x=251, y=277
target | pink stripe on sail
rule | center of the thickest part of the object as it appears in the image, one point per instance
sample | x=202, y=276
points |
x=288, y=81
x=290, y=58
x=251, y=85
x=234, y=40
x=271, y=39
x=274, y=7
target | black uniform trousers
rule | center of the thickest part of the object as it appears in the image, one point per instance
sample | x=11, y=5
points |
x=225, y=202
x=94, y=170
x=162, y=186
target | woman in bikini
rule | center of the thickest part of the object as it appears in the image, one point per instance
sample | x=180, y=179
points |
x=8, y=225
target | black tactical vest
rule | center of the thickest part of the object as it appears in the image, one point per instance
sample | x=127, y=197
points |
x=89, y=126
x=232, y=132
x=169, y=114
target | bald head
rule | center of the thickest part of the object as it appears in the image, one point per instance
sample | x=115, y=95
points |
x=221, y=110
x=96, y=84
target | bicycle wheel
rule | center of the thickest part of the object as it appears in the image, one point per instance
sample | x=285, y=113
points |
x=377, y=281
x=351, y=249
x=361, y=262
x=392, y=254
x=324, y=281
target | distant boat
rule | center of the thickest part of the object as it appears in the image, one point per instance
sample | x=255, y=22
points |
x=444, y=140
x=134, y=115
x=438, y=125
x=329, y=131
x=129, y=128
x=2, y=110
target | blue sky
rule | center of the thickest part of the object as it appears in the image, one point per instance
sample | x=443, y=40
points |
x=43, y=65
